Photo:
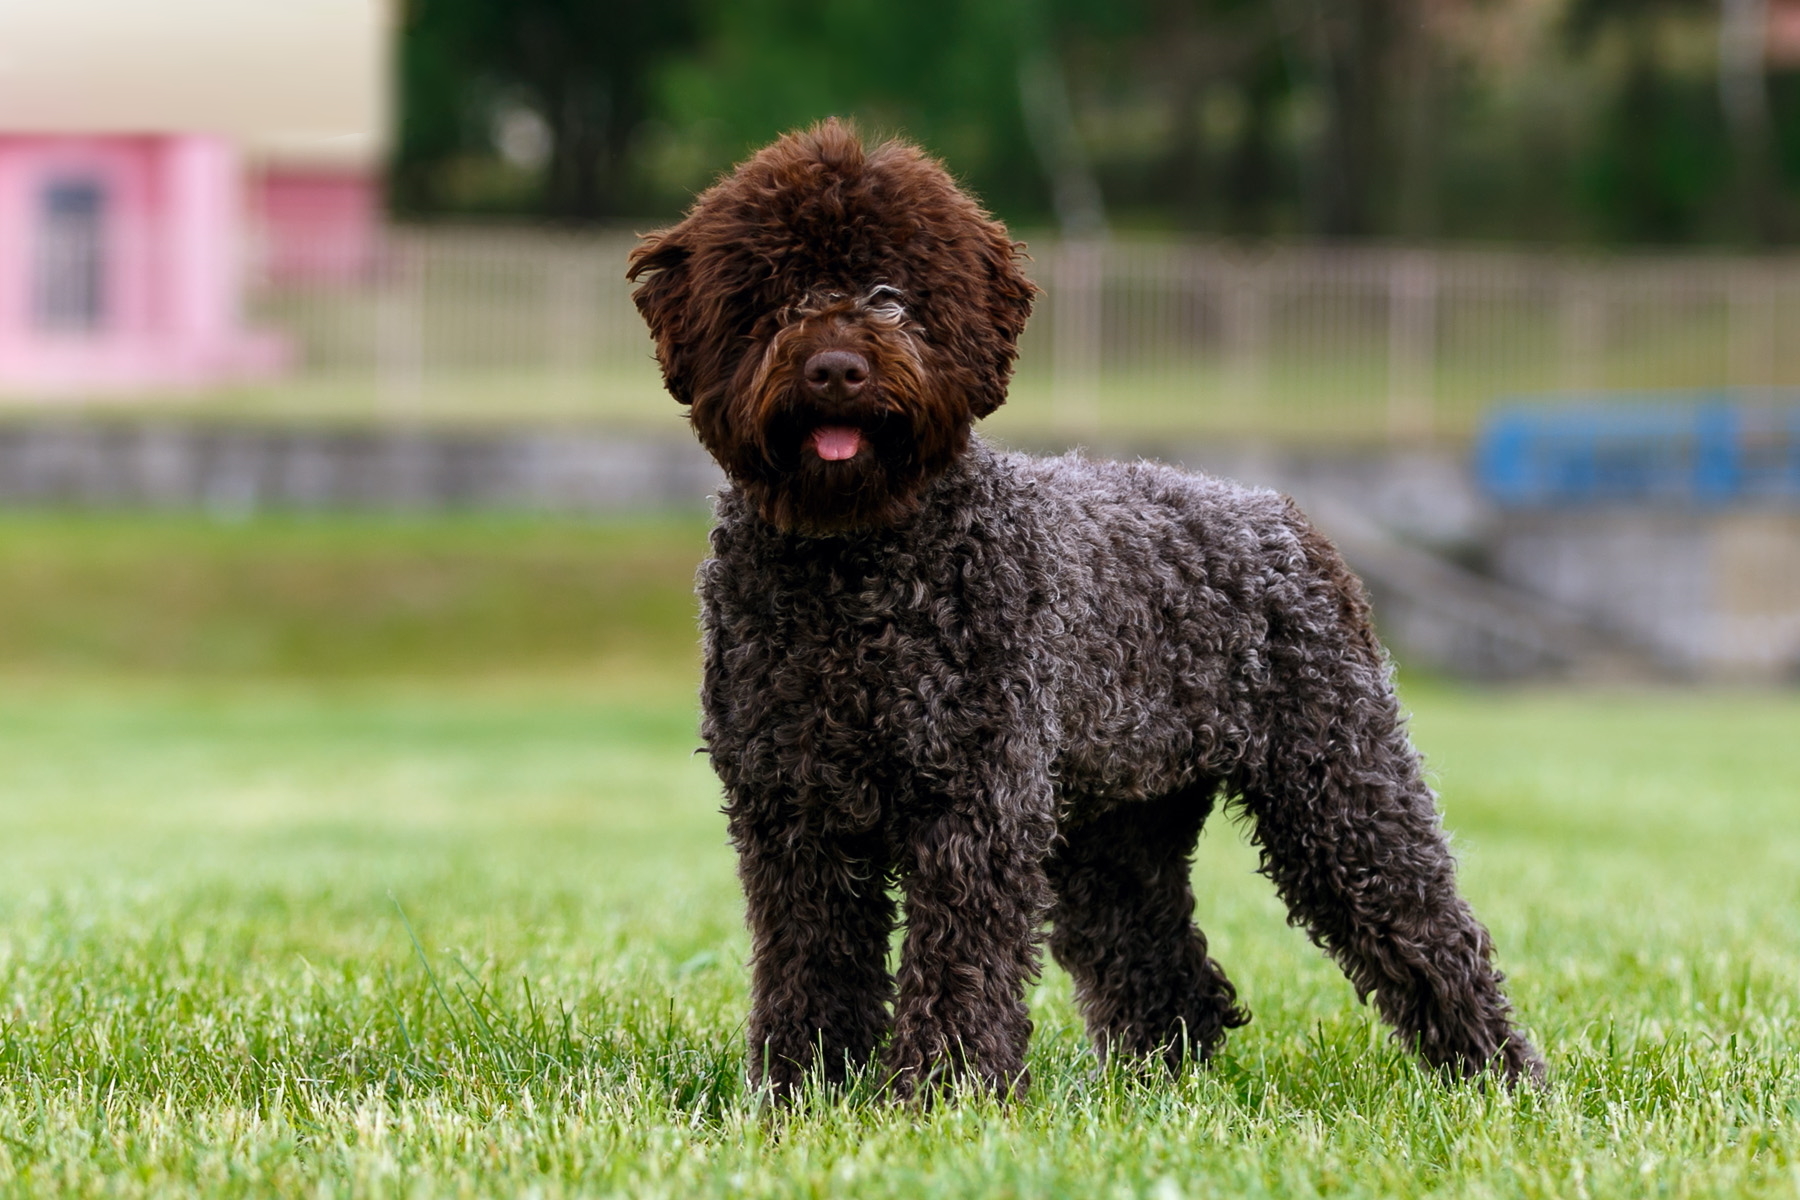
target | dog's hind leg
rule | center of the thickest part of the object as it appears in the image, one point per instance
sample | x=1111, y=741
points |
x=1353, y=845
x=1122, y=926
x=820, y=915
x=1351, y=838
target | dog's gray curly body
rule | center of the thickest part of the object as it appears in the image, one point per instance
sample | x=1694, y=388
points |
x=1023, y=703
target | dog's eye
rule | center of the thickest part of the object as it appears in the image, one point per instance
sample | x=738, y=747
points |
x=884, y=301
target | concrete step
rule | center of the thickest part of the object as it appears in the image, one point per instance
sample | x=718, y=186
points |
x=1437, y=613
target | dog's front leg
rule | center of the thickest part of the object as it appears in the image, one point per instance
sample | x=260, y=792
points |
x=820, y=916
x=976, y=896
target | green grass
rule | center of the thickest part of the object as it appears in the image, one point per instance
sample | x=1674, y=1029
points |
x=392, y=928
x=344, y=595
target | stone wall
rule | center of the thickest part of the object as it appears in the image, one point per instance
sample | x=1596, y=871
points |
x=1459, y=585
x=247, y=468
x=1715, y=594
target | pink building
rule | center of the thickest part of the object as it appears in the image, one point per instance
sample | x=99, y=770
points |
x=315, y=223
x=153, y=158
x=121, y=265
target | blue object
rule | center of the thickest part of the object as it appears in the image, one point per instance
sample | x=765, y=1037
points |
x=1693, y=449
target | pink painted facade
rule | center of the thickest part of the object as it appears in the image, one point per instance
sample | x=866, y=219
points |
x=121, y=265
x=316, y=224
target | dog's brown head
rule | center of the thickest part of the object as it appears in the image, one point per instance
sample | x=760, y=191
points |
x=835, y=318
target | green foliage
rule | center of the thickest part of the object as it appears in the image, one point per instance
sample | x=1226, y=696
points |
x=1655, y=178
x=1580, y=119
x=943, y=72
x=581, y=67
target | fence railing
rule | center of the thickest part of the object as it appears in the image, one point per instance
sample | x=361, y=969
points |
x=1129, y=337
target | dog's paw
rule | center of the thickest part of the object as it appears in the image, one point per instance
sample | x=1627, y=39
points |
x=1519, y=1062
x=914, y=1075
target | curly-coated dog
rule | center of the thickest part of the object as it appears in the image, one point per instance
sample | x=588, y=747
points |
x=1014, y=687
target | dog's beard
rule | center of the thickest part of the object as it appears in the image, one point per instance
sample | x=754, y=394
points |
x=826, y=469
x=835, y=469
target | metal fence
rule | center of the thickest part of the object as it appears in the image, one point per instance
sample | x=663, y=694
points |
x=1129, y=338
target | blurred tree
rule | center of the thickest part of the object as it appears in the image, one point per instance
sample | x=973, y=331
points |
x=1744, y=99
x=1411, y=119
x=431, y=76
x=582, y=68
x=1253, y=177
x=1660, y=153
x=1380, y=68
x=1784, y=121
x=1186, y=105
x=945, y=72
x=1352, y=41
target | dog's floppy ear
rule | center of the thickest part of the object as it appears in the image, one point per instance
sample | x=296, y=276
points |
x=1008, y=296
x=662, y=298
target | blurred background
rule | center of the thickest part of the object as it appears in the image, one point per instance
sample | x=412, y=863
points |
x=316, y=352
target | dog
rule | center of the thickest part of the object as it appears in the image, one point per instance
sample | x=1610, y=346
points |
x=1011, y=688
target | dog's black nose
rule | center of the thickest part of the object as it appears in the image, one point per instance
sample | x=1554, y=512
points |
x=836, y=374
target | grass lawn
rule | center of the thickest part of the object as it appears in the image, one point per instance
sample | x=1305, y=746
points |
x=370, y=857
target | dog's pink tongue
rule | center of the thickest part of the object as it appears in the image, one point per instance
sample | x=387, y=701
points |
x=836, y=442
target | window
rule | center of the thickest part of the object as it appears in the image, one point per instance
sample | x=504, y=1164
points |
x=70, y=291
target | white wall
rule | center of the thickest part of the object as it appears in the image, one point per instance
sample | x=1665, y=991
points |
x=296, y=81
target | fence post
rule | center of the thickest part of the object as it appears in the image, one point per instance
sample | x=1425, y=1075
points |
x=1583, y=321
x=1075, y=321
x=400, y=330
x=1412, y=346
x=1750, y=327
x=1245, y=321
x=571, y=295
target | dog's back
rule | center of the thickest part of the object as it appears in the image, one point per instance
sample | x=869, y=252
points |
x=1167, y=585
